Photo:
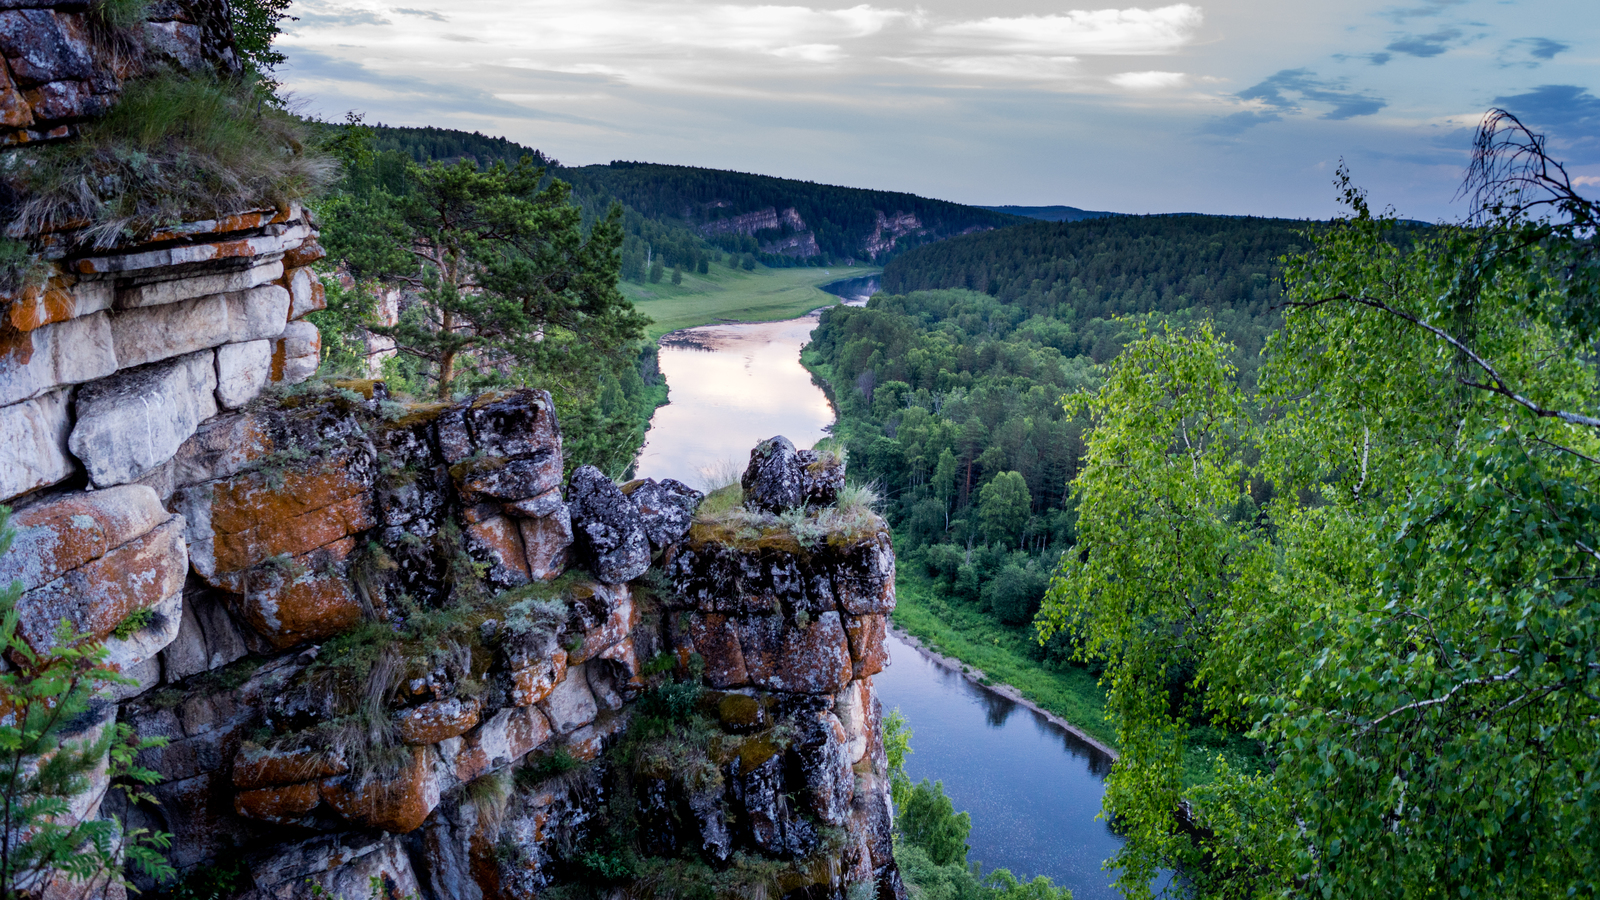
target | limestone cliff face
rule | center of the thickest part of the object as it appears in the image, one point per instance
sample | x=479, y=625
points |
x=386, y=643
x=397, y=641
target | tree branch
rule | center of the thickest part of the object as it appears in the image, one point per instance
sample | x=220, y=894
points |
x=1498, y=387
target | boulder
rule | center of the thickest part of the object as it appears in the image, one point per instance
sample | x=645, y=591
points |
x=152, y=333
x=666, y=508
x=780, y=477
x=610, y=532
x=33, y=443
x=716, y=638
x=772, y=480
x=40, y=48
x=335, y=866
x=304, y=598
x=513, y=425
x=70, y=352
x=864, y=575
x=509, y=479
x=242, y=371
x=135, y=420
x=130, y=655
x=280, y=805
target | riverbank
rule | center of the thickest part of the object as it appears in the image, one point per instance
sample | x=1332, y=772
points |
x=985, y=654
x=981, y=678
x=726, y=295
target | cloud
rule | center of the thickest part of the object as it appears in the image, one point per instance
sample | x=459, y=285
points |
x=1530, y=53
x=337, y=18
x=1425, y=45
x=1569, y=113
x=1148, y=81
x=1554, y=104
x=1427, y=9
x=1111, y=32
x=1274, y=93
x=424, y=13
x=1240, y=121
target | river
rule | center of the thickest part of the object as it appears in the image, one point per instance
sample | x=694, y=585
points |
x=1033, y=790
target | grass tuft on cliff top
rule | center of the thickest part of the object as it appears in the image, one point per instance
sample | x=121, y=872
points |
x=171, y=150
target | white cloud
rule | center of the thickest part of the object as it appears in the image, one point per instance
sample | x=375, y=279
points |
x=1015, y=66
x=1148, y=81
x=1114, y=32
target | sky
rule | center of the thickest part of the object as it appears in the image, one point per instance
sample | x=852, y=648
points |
x=1239, y=107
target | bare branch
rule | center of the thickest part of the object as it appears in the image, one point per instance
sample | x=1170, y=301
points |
x=1498, y=386
x=1435, y=701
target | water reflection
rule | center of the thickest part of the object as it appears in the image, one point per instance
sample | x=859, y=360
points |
x=1032, y=788
x=733, y=386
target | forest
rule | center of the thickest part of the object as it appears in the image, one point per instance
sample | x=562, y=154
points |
x=951, y=398
x=1329, y=488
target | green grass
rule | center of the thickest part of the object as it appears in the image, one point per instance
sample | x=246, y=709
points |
x=1002, y=654
x=733, y=295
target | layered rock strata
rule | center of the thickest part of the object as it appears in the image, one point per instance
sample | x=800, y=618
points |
x=383, y=642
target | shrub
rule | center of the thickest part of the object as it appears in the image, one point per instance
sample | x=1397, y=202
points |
x=172, y=149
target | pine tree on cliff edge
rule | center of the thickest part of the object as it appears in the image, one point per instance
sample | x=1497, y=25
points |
x=509, y=288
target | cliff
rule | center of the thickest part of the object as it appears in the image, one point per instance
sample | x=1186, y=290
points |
x=384, y=640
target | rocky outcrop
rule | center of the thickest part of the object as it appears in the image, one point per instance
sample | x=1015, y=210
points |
x=62, y=66
x=886, y=230
x=795, y=238
x=116, y=358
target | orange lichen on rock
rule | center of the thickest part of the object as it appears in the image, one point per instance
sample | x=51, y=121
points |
x=257, y=767
x=867, y=649
x=279, y=805
x=306, y=599
x=397, y=802
x=437, y=720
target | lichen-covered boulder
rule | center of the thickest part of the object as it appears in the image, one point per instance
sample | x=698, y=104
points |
x=610, y=532
x=772, y=480
x=780, y=477
x=666, y=508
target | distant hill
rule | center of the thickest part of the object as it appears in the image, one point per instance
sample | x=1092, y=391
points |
x=1051, y=213
x=684, y=214
x=785, y=216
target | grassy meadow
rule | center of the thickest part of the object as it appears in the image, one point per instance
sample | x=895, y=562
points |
x=734, y=295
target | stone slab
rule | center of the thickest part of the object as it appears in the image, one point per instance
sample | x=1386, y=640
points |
x=134, y=421
x=297, y=353
x=33, y=443
x=70, y=352
x=163, y=292
x=242, y=371
x=152, y=333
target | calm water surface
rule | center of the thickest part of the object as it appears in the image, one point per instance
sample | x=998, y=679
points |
x=1032, y=789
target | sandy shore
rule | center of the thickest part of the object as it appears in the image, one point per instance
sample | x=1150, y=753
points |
x=1005, y=690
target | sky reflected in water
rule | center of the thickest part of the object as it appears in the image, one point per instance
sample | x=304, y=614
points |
x=732, y=387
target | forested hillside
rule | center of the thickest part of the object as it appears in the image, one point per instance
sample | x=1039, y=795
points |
x=951, y=397
x=846, y=222
x=1052, y=213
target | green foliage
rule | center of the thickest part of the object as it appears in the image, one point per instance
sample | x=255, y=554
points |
x=172, y=149
x=47, y=758
x=842, y=219
x=1408, y=624
x=930, y=821
x=119, y=14
x=1003, y=507
x=256, y=25
x=133, y=623
x=896, y=744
